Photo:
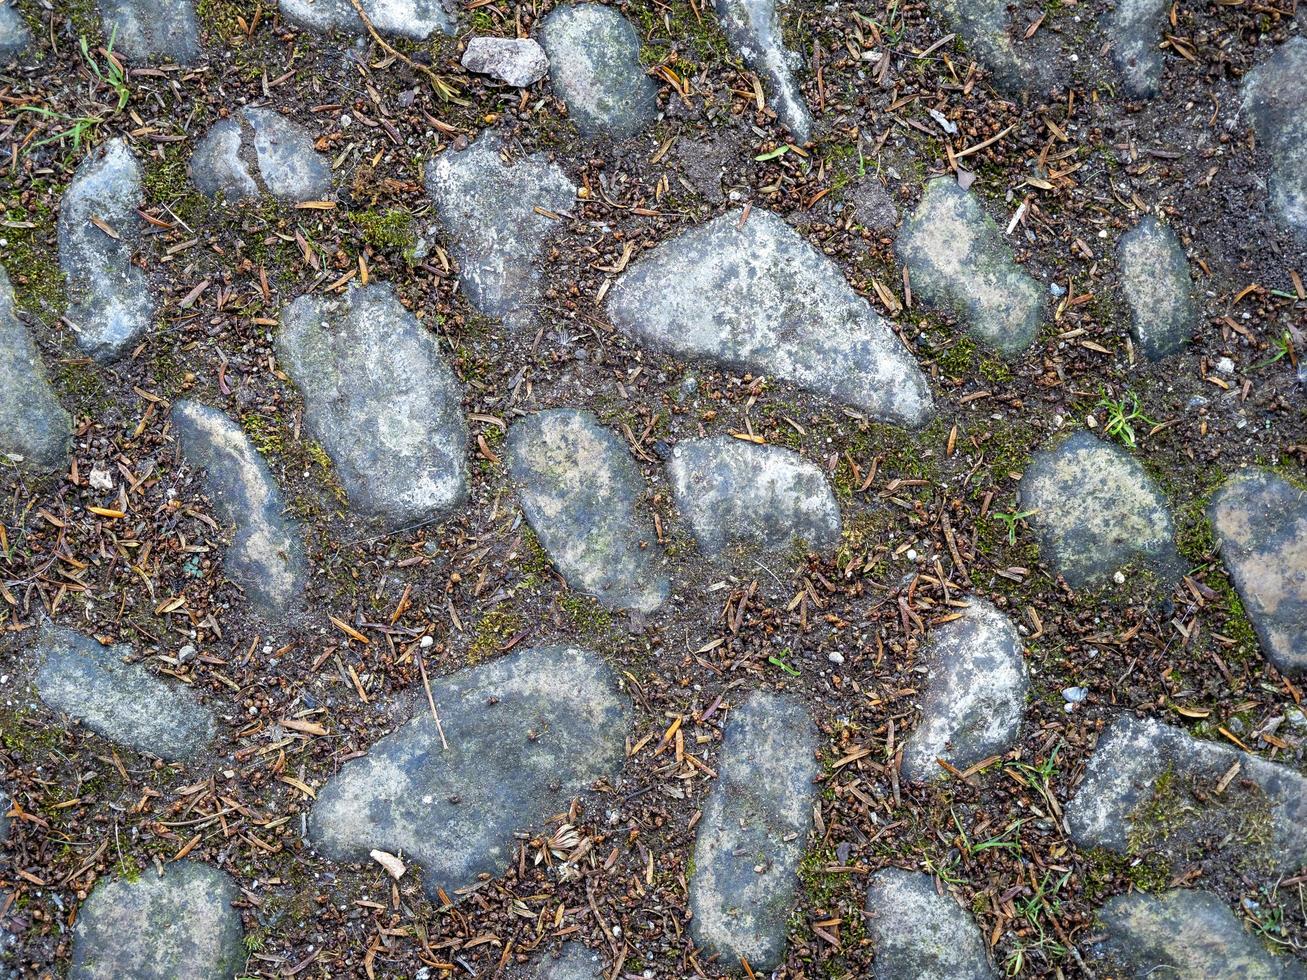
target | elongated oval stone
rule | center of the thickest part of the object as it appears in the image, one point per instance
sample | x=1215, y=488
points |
x=266, y=554
x=146, y=29
x=177, y=927
x=416, y=19
x=762, y=498
x=258, y=151
x=124, y=702
x=525, y=734
x=1273, y=96
x=1155, y=280
x=35, y=431
x=579, y=489
x=921, y=934
x=381, y=400
x=594, y=66
x=110, y=303
x=748, y=291
x=754, y=831
x=754, y=31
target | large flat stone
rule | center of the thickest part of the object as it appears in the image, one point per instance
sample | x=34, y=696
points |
x=753, y=833
x=416, y=19
x=753, y=29
x=266, y=554
x=488, y=207
x=124, y=702
x=381, y=400
x=1150, y=785
x=580, y=491
x=14, y=35
x=1260, y=520
x=959, y=261
x=573, y=962
x=1155, y=281
x=975, y=693
x=149, y=29
x=757, y=297
x=110, y=302
x=526, y=733
x=177, y=927
x=258, y=151
x=1096, y=510
x=759, y=498
x=1184, y=934
x=35, y=431
x=516, y=61
x=594, y=66
x=1135, y=30
x=921, y=934
x=1273, y=96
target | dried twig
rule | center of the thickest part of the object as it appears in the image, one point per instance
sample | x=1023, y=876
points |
x=426, y=684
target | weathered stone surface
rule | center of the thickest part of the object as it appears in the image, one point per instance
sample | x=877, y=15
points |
x=573, y=962
x=178, y=927
x=991, y=32
x=1143, y=768
x=516, y=61
x=753, y=833
x=488, y=208
x=266, y=554
x=1096, y=510
x=959, y=261
x=4, y=815
x=258, y=151
x=1135, y=30
x=381, y=400
x=124, y=702
x=1184, y=934
x=580, y=489
x=1155, y=280
x=1273, y=96
x=110, y=302
x=35, y=431
x=14, y=35
x=525, y=734
x=975, y=694
x=921, y=934
x=416, y=19
x=754, y=31
x=759, y=298
x=146, y=29
x=873, y=205
x=763, y=498
x=1260, y=520
x=594, y=65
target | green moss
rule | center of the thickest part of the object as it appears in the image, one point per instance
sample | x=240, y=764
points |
x=956, y=360
x=494, y=629
x=167, y=182
x=1105, y=869
x=587, y=616
x=391, y=229
x=30, y=256
x=81, y=387
x=264, y=432
x=223, y=18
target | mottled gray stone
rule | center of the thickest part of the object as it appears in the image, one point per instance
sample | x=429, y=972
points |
x=594, y=66
x=416, y=19
x=1135, y=29
x=753, y=29
x=921, y=934
x=975, y=693
x=14, y=35
x=1184, y=934
x=873, y=205
x=516, y=61
x=759, y=298
x=959, y=261
x=35, y=431
x=526, y=733
x=753, y=833
x=1260, y=520
x=1115, y=802
x=266, y=554
x=488, y=208
x=1273, y=97
x=124, y=702
x=580, y=490
x=764, y=498
x=573, y=962
x=1096, y=510
x=5, y=804
x=110, y=303
x=1155, y=280
x=1016, y=64
x=146, y=29
x=381, y=400
x=177, y=927
x=258, y=151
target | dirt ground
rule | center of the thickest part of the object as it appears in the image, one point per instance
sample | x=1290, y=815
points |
x=1086, y=162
